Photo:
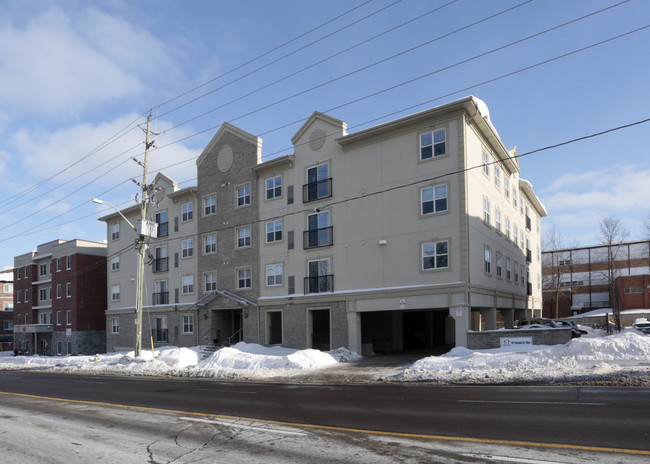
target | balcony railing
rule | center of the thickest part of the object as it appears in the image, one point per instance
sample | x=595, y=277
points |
x=163, y=229
x=315, y=238
x=161, y=265
x=319, y=284
x=317, y=190
x=159, y=335
x=160, y=298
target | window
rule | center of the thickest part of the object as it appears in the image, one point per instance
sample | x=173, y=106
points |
x=68, y=264
x=319, y=183
x=522, y=238
x=18, y=296
x=115, y=263
x=522, y=203
x=68, y=317
x=319, y=278
x=209, y=244
x=26, y=296
x=497, y=177
x=58, y=290
x=486, y=162
x=274, y=231
x=514, y=197
x=243, y=278
x=19, y=320
x=274, y=187
x=210, y=282
x=435, y=255
x=187, y=248
x=159, y=331
x=506, y=186
x=7, y=325
x=163, y=225
x=18, y=272
x=499, y=265
x=508, y=228
x=243, y=195
x=9, y=288
x=161, y=294
x=497, y=219
x=486, y=210
x=209, y=205
x=188, y=324
x=516, y=273
x=161, y=260
x=187, y=211
x=434, y=199
x=516, y=234
x=115, y=231
x=115, y=325
x=508, y=269
x=26, y=271
x=273, y=275
x=115, y=293
x=488, y=260
x=632, y=290
x=58, y=318
x=243, y=236
x=42, y=270
x=68, y=289
x=42, y=294
x=188, y=284
x=433, y=144
x=318, y=233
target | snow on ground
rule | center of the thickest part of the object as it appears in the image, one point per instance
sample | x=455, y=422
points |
x=592, y=356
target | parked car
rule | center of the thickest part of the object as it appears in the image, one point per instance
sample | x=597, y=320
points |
x=542, y=321
x=642, y=325
x=570, y=324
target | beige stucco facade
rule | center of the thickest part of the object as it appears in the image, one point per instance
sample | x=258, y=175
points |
x=378, y=294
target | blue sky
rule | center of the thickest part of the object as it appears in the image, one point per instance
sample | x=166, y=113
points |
x=74, y=74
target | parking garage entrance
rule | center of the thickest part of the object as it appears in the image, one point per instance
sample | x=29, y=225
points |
x=397, y=331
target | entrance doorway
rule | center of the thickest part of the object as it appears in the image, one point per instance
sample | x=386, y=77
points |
x=320, y=329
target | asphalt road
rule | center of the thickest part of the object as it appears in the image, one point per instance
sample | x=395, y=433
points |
x=600, y=417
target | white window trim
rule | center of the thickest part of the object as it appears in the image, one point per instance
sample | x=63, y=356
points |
x=203, y=205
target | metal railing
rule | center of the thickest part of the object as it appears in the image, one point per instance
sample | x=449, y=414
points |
x=317, y=190
x=160, y=298
x=319, y=284
x=314, y=238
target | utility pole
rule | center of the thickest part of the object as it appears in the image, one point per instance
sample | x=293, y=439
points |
x=140, y=244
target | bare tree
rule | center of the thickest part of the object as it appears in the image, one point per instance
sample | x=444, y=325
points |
x=645, y=226
x=557, y=265
x=613, y=233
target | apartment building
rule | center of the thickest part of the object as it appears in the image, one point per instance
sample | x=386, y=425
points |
x=169, y=289
x=7, y=309
x=59, y=299
x=402, y=236
x=576, y=280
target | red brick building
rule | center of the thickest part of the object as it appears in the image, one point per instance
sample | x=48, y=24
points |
x=6, y=309
x=60, y=298
x=576, y=280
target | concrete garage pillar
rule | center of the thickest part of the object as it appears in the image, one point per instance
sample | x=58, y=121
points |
x=508, y=317
x=354, y=329
x=461, y=315
x=490, y=317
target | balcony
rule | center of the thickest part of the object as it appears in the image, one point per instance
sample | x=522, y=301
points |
x=315, y=238
x=161, y=265
x=319, y=284
x=317, y=190
x=160, y=298
x=163, y=229
x=160, y=335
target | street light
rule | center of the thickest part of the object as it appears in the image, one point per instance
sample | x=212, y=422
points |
x=140, y=246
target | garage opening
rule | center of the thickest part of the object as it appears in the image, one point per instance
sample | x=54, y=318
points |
x=397, y=331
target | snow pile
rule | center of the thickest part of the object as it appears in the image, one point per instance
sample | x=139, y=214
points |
x=580, y=358
x=254, y=358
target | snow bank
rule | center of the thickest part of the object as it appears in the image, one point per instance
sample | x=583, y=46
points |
x=579, y=358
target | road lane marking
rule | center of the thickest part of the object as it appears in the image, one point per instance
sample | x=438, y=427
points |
x=599, y=449
x=490, y=457
x=241, y=426
x=560, y=403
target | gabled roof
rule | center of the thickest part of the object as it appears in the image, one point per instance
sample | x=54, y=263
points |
x=234, y=130
x=318, y=116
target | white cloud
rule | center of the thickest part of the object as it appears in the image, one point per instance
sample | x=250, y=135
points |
x=576, y=202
